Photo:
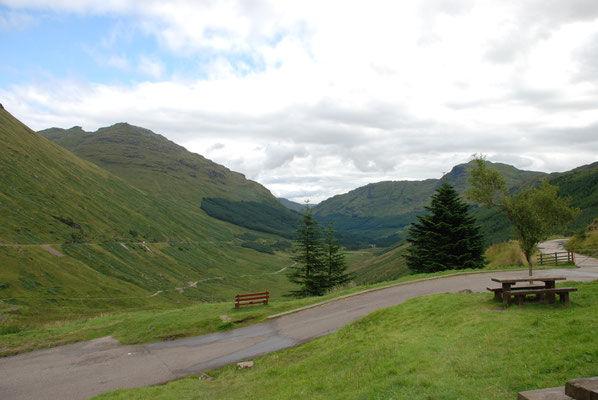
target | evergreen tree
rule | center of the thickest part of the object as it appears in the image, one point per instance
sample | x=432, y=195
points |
x=309, y=271
x=447, y=237
x=334, y=260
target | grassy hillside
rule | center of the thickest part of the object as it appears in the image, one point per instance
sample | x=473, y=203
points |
x=111, y=245
x=380, y=213
x=291, y=205
x=373, y=265
x=444, y=346
x=386, y=199
x=581, y=184
x=156, y=165
x=585, y=241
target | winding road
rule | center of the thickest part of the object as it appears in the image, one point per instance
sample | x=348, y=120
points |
x=85, y=369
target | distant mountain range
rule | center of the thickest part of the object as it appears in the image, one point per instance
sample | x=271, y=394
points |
x=378, y=213
x=125, y=218
x=381, y=212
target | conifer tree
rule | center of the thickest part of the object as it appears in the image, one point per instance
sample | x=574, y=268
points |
x=447, y=237
x=334, y=260
x=309, y=270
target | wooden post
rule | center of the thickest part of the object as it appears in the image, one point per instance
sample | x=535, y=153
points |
x=572, y=258
x=541, y=259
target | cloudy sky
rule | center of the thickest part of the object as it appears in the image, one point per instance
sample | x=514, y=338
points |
x=315, y=98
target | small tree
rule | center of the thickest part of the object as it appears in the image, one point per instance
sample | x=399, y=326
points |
x=334, y=260
x=309, y=270
x=535, y=212
x=447, y=238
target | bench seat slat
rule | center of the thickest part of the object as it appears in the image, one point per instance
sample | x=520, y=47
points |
x=253, y=298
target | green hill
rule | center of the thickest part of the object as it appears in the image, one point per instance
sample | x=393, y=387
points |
x=79, y=239
x=380, y=213
x=154, y=164
x=294, y=206
x=581, y=184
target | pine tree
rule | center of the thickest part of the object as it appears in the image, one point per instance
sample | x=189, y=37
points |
x=309, y=270
x=447, y=237
x=334, y=260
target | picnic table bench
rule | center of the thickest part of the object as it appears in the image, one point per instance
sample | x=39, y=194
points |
x=251, y=299
x=509, y=291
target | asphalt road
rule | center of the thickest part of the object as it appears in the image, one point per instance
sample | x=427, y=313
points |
x=82, y=370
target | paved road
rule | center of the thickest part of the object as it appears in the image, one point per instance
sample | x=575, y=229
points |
x=82, y=370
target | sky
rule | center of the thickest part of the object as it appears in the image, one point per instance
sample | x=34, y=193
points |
x=316, y=98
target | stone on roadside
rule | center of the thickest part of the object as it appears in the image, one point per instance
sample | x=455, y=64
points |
x=225, y=318
x=205, y=377
x=465, y=291
x=245, y=364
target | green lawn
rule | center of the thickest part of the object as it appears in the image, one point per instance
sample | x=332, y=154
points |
x=22, y=333
x=445, y=346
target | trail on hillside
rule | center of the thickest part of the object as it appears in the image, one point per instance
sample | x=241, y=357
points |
x=191, y=284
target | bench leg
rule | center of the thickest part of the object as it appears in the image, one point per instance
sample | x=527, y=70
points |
x=509, y=298
x=498, y=296
x=520, y=299
x=237, y=306
x=564, y=297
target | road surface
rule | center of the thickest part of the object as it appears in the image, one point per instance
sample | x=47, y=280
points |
x=82, y=370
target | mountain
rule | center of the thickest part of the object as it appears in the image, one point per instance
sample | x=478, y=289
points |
x=78, y=239
x=380, y=213
x=581, y=185
x=294, y=206
x=154, y=164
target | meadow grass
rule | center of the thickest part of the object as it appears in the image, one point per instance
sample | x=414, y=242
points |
x=443, y=346
x=18, y=335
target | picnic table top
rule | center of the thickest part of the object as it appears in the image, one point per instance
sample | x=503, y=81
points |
x=530, y=279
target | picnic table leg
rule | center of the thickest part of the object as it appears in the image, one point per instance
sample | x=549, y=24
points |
x=498, y=295
x=564, y=298
x=506, y=293
x=550, y=297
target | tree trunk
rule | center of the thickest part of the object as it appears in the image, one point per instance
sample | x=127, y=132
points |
x=529, y=261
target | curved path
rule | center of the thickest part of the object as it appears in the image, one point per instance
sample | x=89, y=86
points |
x=82, y=370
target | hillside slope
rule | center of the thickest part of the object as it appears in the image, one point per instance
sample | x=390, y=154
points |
x=77, y=239
x=153, y=163
x=381, y=212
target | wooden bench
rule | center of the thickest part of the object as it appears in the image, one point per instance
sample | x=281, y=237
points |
x=498, y=291
x=550, y=294
x=251, y=299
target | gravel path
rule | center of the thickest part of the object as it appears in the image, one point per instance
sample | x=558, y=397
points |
x=82, y=370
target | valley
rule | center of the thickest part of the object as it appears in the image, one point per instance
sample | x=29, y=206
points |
x=124, y=220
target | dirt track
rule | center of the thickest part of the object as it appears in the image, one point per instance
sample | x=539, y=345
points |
x=86, y=369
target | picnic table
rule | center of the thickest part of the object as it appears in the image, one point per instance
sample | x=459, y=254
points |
x=546, y=288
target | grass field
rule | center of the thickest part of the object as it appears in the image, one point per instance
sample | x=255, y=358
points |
x=445, y=346
x=152, y=321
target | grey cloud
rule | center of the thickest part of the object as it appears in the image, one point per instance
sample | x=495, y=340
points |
x=587, y=58
x=534, y=21
x=216, y=146
x=279, y=155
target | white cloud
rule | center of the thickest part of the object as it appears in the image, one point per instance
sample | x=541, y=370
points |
x=316, y=98
x=16, y=21
x=151, y=67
